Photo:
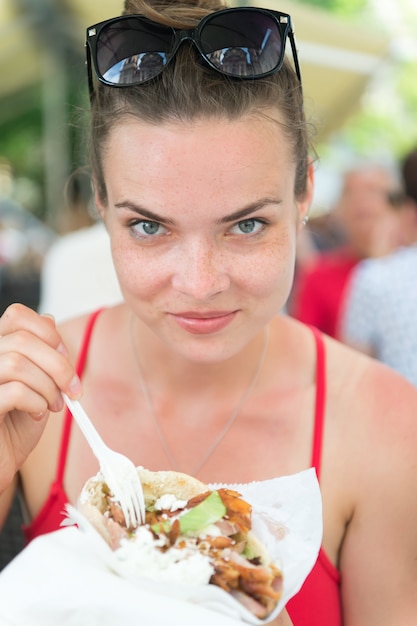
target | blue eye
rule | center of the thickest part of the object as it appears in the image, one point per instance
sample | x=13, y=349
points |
x=248, y=227
x=144, y=228
x=150, y=228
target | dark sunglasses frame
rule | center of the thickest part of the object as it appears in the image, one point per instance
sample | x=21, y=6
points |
x=281, y=20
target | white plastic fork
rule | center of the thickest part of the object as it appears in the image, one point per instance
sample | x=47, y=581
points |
x=119, y=472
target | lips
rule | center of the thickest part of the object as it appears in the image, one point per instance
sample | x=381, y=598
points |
x=203, y=323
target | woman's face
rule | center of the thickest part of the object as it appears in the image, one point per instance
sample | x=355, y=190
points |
x=203, y=220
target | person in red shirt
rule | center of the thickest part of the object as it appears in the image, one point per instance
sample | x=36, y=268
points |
x=369, y=227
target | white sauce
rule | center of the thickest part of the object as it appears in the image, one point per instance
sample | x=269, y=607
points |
x=168, y=502
x=140, y=555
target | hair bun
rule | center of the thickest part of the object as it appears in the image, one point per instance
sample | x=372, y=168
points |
x=170, y=7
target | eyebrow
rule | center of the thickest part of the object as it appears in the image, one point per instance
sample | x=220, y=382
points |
x=153, y=217
x=232, y=217
x=251, y=208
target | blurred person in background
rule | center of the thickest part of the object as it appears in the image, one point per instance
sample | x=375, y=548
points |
x=323, y=233
x=367, y=225
x=380, y=309
x=78, y=274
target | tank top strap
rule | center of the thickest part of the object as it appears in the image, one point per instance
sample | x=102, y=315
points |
x=320, y=403
x=66, y=431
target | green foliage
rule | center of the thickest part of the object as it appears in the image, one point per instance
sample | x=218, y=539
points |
x=22, y=141
x=346, y=8
x=388, y=124
x=407, y=87
x=21, y=137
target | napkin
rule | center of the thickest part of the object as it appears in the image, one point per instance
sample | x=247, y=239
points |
x=72, y=578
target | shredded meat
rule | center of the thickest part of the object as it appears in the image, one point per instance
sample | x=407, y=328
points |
x=256, y=586
x=239, y=512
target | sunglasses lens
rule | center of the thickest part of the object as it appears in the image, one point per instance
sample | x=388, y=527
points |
x=130, y=51
x=242, y=43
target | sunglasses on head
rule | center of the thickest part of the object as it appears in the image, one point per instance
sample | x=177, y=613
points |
x=243, y=43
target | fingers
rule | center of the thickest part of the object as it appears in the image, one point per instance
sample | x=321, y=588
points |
x=34, y=367
x=23, y=356
x=25, y=385
x=18, y=316
x=15, y=396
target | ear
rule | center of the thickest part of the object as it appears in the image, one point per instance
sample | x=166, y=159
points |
x=304, y=203
x=100, y=206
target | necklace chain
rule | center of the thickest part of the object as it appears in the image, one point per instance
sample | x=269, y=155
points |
x=228, y=424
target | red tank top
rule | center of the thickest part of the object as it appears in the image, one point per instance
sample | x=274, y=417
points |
x=52, y=513
x=318, y=601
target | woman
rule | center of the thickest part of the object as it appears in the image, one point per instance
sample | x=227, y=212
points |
x=203, y=181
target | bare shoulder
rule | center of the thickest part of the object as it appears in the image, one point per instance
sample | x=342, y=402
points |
x=108, y=320
x=362, y=394
x=372, y=442
x=367, y=385
x=374, y=411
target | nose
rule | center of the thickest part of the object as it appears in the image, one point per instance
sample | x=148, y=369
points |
x=200, y=270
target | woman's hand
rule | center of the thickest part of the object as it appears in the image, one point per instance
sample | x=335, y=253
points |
x=34, y=368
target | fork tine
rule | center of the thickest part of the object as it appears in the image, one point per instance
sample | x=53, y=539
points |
x=126, y=514
x=131, y=487
x=123, y=498
x=125, y=491
x=138, y=504
x=119, y=472
x=138, y=498
x=128, y=506
x=134, y=494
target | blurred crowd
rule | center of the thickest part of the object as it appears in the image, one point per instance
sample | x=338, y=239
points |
x=356, y=265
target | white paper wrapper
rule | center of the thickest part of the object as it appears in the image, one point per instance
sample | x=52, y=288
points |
x=287, y=518
x=76, y=568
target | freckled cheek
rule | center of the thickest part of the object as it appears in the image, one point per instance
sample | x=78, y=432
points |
x=137, y=274
x=268, y=272
x=272, y=272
